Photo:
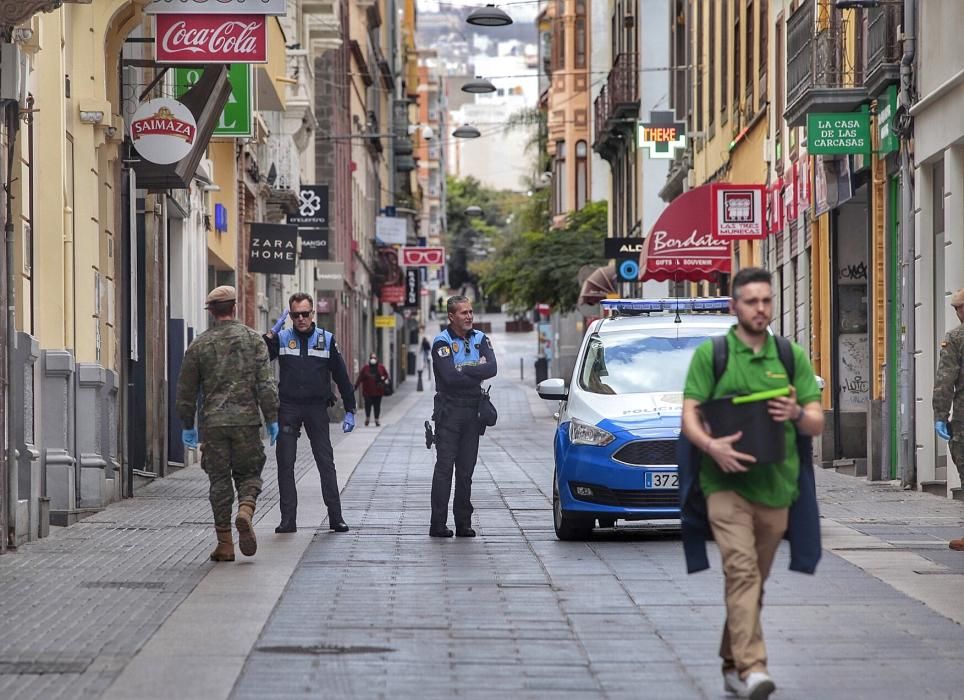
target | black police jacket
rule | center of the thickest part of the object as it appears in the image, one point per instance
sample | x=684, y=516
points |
x=308, y=362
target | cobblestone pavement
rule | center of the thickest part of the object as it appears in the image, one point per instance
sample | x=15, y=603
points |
x=389, y=612
x=77, y=606
x=384, y=611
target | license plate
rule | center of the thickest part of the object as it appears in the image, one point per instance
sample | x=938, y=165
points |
x=661, y=480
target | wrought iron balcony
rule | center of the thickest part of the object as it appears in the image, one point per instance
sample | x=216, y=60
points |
x=821, y=73
x=883, y=48
x=617, y=106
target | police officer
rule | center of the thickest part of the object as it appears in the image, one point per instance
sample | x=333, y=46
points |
x=228, y=367
x=462, y=358
x=949, y=393
x=308, y=359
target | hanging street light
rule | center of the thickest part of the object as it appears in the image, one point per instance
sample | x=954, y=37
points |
x=473, y=211
x=489, y=16
x=466, y=131
x=479, y=86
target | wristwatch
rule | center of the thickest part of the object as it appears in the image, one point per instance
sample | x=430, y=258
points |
x=799, y=415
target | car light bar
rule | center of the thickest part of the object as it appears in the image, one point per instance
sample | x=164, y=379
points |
x=632, y=307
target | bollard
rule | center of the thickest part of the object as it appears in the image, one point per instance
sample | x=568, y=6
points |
x=419, y=387
x=522, y=370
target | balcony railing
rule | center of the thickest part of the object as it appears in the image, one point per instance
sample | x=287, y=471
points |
x=618, y=102
x=883, y=47
x=821, y=73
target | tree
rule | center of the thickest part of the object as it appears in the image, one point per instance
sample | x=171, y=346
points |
x=468, y=238
x=540, y=265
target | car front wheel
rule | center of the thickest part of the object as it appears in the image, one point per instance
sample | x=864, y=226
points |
x=569, y=527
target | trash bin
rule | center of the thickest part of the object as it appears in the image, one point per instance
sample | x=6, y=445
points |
x=542, y=369
x=762, y=436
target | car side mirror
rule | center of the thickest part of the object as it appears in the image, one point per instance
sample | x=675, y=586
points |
x=553, y=389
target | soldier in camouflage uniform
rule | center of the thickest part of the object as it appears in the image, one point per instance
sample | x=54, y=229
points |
x=228, y=367
x=949, y=393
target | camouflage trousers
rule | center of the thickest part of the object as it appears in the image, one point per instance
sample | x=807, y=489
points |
x=956, y=446
x=235, y=454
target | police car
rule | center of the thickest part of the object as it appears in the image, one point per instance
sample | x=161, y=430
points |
x=619, y=417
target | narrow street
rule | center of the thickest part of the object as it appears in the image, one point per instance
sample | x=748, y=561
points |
x=384, y=611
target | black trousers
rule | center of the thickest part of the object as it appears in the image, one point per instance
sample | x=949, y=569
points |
x=373, y=402
x=457, y=445
x=291, y=416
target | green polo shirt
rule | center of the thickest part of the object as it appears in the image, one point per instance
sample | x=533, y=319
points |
x=773, y=485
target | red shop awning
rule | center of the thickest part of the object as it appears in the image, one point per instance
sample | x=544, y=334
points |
x=681, y=245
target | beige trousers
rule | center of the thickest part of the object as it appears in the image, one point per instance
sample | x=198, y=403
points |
x=748, y=535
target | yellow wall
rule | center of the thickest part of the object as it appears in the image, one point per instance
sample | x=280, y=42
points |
x=223, y=247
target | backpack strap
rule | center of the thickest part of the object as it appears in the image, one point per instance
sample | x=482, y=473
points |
x=720, y=356
x=785, y=353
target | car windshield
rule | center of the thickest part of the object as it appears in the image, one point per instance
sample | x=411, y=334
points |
x=637, y=362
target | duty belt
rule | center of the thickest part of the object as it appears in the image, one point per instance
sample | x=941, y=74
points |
x=466, y=401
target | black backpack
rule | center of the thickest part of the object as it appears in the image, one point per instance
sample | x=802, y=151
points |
x=721, y=352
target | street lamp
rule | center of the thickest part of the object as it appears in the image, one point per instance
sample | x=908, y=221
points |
x=478, y=86
x=473, y=211
x=466, y=131
x=489, y=16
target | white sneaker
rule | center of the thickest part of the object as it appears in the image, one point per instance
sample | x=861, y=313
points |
x=733, y=684
x=759, y=685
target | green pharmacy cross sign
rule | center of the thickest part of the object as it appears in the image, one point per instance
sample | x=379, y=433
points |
x=838, y=133
x=236, y=119
x=662, y=136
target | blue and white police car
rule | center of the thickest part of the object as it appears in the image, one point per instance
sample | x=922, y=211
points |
x=619, y=416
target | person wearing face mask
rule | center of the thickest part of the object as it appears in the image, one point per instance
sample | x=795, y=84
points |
x=373, y=379
x=309, y=360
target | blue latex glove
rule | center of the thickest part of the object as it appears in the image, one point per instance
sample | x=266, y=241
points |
x=276, y=328
x=349, y=423
x=273, y=432
x=189, y=437
x=942, y=430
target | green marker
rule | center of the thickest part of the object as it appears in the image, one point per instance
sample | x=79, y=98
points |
x=761, y=396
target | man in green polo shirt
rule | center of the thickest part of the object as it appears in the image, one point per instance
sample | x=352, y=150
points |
x=748, y=503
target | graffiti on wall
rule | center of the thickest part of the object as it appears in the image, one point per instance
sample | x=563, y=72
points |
x=854, y=372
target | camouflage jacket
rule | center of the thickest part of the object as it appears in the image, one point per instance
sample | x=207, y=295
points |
x=227, y=366
x=949, y=384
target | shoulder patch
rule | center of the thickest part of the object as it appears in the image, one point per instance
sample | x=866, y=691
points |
x=444, y=351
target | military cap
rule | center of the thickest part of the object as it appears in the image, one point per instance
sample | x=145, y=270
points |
x=223, y=293
x=957, y=298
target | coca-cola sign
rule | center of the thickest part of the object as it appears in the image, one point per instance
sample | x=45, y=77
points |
x=211, y=39
x=163, y=131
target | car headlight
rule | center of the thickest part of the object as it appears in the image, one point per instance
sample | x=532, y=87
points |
x=584, y=434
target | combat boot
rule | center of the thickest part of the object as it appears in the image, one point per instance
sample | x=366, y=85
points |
x=225, y=549
x=957, y=545
x=247, y=542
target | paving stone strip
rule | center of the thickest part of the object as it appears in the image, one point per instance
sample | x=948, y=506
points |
x=75, y=607
x=390, y=613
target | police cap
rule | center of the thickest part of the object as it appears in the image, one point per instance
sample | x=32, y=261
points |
x=223, y=293
x=957, y=298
